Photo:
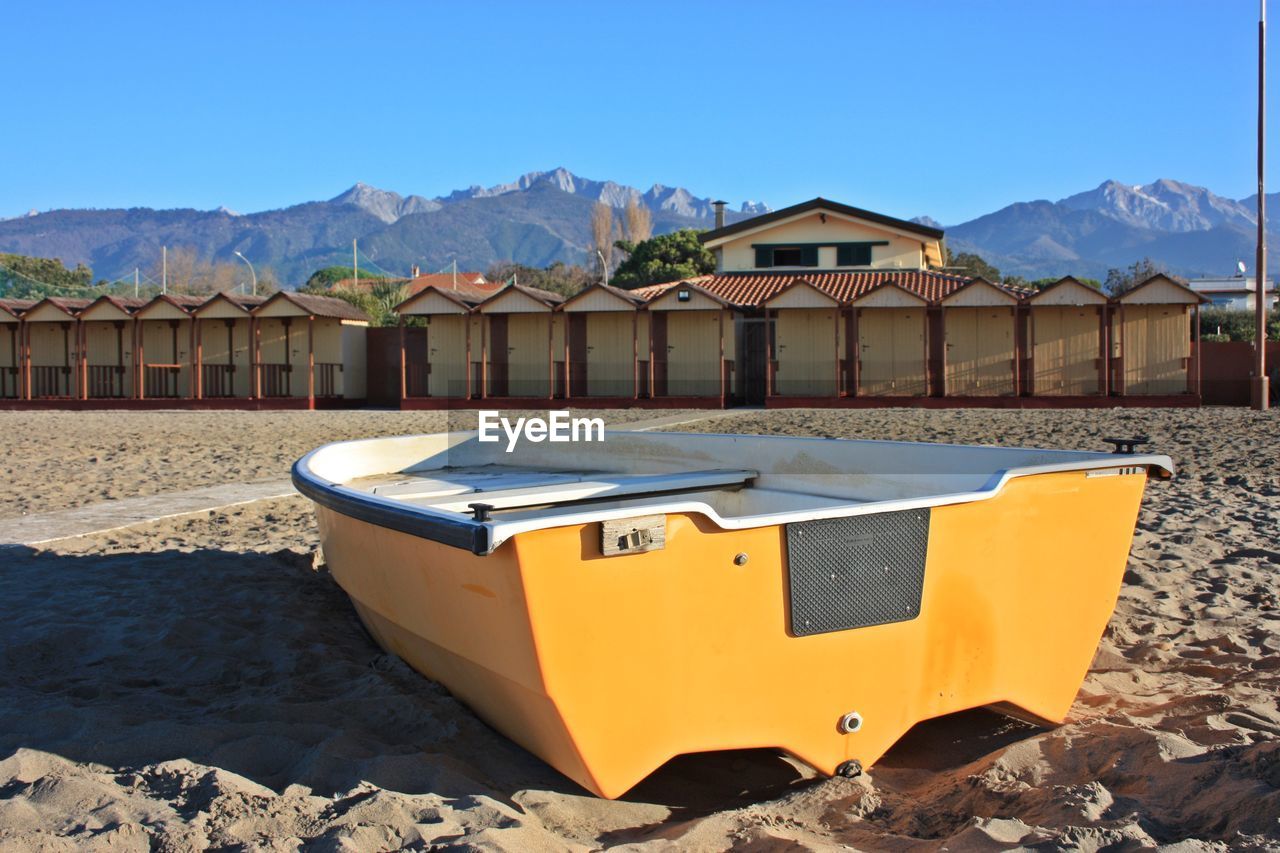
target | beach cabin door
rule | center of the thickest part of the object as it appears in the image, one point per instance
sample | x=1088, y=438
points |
x=498, y=353
x=659, y=321
x=804, y=339
x=891, y=345
x=980, y=351
x=755, y=362
x=417, y=361
x=1065, y=356
x=577, y=355
x=1156, y=346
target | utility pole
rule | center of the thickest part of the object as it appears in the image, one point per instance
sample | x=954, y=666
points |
x=164, y=269
x=135, y=282
x=455, y=273
x=1261, y=389
x=355, y=264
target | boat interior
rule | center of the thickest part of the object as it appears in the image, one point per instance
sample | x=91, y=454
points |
x=636, y=473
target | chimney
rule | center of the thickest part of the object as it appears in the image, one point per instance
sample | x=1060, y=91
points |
x=413, y=271
x=719, y=206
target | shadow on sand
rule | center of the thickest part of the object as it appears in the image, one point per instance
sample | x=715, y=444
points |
x=256, y=663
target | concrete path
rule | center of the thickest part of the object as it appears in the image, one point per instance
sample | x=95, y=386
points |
x=114, y=515
x=684, y=418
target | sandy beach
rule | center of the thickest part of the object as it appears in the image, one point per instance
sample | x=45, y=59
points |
x=200, y=682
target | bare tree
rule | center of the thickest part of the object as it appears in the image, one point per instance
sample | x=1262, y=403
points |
x=179, y=270
x=188, y=273
x=638, y=223
x=602, y=234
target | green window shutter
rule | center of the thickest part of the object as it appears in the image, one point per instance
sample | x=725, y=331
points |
x=764, y=257
x=853, y=255
x=808, y=256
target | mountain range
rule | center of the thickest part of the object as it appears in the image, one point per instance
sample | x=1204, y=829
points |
x=1184, y=228
x=544, y=217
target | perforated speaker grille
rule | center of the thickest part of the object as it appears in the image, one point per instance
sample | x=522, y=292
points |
x=857, y=571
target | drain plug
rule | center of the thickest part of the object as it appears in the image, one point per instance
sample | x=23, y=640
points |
x=850, y=723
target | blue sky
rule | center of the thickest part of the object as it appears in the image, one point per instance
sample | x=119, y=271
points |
x=946, y=109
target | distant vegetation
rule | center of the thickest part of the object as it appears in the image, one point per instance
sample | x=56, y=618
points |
x=378, y=301
x=187, y=272
x=329, y=276
x=667, y=257
x=22, y=277
x=564, y=279
x=1222, y=324
x=1123, y=280
x=975, y=266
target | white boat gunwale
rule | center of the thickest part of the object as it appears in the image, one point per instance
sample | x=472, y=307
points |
x=484, y=537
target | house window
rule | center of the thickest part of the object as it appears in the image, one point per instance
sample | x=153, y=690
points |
x=790, y=256
x=787, y=256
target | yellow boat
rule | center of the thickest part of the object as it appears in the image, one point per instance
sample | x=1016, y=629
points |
x=610, y=605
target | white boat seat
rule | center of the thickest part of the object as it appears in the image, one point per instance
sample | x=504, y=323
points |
x=460, y=481
x=597, y=488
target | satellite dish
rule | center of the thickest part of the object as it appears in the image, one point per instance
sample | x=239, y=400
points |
x=1240, y=267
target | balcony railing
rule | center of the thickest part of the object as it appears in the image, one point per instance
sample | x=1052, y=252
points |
x=417, y=379
x=50, y=382
x=161, y=380
x=106, y=381
x=10, y=382
x=276, y=380
x=328, y=379
x=217, y=380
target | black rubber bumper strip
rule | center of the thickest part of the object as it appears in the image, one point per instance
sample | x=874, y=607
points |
x=458, y=533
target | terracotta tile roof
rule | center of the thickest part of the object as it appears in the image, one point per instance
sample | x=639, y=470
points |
x=655, y=291
x=752, y=289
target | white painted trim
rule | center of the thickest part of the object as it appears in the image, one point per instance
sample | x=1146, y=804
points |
x=823, y=485
x=890, y=296
x=979, y=294
x=877, y=226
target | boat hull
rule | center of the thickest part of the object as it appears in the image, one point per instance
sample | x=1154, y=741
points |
x=607, y=667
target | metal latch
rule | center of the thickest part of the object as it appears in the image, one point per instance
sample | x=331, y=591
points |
x=633, y=535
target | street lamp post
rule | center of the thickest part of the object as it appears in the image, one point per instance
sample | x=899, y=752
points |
x=251, y=272
x=1261, y=393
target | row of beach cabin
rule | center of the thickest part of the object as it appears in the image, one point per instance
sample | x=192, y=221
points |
x=292, y=349
x=832, y=338
x=828, y=338
x=819, y=303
